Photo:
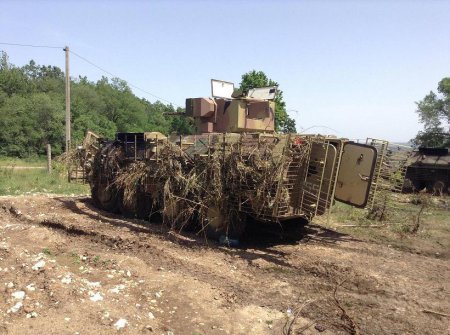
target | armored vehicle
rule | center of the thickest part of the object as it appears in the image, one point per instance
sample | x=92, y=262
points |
x=235, y=167
x=428, y=168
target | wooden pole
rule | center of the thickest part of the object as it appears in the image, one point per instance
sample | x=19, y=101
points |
x=68, y=139
x=49, y=158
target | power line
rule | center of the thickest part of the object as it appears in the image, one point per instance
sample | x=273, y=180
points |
x=91, y=63
x=114, y=75
x=31, y=45
x=318, y=126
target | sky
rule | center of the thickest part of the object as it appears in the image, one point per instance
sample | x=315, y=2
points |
x=350, y=68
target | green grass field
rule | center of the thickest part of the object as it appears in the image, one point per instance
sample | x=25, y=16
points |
x=18, y=176
x=32, y=161
x=406, y=226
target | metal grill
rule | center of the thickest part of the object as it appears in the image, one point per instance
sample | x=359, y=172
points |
x=315, y=189
x=390, y=171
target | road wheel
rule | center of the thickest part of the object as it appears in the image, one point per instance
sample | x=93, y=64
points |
x=408, y=186
x=215, y=223
x=144, y=205
x=126, y=209
x=418, y=185
x=439, y=188
x=105, y=196
x=293, y=229
x=218, y=224
x=177, y=214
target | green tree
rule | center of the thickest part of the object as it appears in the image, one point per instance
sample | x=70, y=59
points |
x=182, y=125
x=156, y=120
x=434, y=113
x=29, y=123
x=122, y=107
x=12, y=79
x=253, y=79
x=32, y=109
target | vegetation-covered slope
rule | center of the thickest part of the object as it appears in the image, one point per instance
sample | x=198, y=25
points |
x=32, y=104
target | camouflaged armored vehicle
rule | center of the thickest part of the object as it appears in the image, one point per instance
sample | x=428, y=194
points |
x=428, y=168
x=234, y=168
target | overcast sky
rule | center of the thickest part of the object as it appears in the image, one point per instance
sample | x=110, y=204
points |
x=354, y=66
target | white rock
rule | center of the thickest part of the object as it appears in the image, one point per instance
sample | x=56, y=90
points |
x=158, y=294
x=128, y=273
x=121, y=323
x=93, y=284
x=117, y=288
x=31, y=315
x=151, y=316
x=18, y=295
x=67, y=319
x=95, y=296
x=39, y=265
x=39, y=256
x=15, y=308
x=10, y=285
x=31, y=287
x=66, y=280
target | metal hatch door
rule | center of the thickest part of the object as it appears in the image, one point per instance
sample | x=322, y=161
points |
x=355, y=174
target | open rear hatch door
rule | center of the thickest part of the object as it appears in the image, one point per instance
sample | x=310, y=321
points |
x=355, y=174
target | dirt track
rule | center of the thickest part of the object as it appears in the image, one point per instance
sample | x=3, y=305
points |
x=101, y=268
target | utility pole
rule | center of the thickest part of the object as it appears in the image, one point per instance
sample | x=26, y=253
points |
x=49, y=158
x=68, y=139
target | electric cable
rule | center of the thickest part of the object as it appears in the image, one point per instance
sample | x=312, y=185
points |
x=114, y=75
x=93, y=64
x=32, y=45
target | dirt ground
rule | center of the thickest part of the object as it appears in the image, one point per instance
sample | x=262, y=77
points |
x=68, y=268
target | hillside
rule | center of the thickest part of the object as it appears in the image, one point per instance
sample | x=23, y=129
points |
x=32, y=104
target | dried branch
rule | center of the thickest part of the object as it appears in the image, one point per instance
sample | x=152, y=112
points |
x=353, y=329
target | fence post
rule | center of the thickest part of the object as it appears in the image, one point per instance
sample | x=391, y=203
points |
x=49, y=158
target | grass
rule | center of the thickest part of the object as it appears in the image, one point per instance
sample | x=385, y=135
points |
x=30, y=162
x=15, y=181
x=432, y=235
x=47, y=252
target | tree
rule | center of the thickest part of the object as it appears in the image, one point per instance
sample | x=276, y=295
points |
x=434, y=113
x=12, y=79
x=32, y=109
x=29, y=123
x=253, y=79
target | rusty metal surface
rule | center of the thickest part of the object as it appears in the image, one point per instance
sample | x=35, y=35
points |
x=236, y=115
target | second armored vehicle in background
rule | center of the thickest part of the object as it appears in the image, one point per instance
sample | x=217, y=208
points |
x=428, y=168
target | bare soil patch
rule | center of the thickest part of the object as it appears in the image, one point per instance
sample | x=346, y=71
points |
x=67, y=267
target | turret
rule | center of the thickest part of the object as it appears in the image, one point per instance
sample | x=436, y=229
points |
x=230, y=110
